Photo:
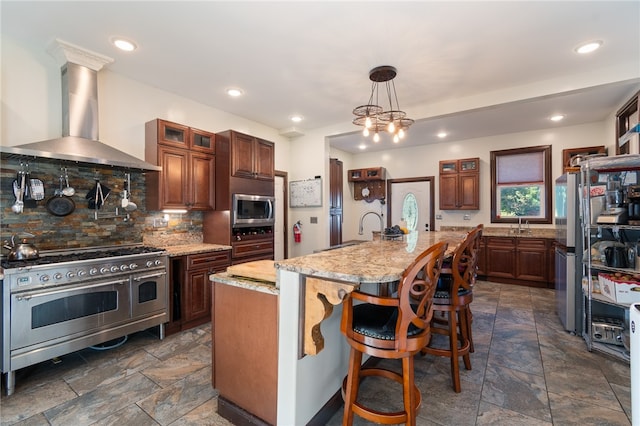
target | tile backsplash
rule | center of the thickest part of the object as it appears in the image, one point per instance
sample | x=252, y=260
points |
x=86, y=227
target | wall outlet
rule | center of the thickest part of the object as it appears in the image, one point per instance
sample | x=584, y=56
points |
x=313, y=219
x=466, y=217
x=160, y=223
x=438, y=217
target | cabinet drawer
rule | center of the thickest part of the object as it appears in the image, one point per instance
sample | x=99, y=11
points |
x=250, y=248
x=209, y=259
x=501, y=241
x=532, y=243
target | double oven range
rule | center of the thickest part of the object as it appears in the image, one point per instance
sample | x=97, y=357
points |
x=65, y=301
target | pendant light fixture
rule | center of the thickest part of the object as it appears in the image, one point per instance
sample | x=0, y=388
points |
x=373, y=117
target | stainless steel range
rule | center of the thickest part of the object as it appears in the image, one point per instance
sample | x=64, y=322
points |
x=66, y=301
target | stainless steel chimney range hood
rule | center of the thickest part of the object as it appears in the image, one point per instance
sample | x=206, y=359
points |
x=79, y=142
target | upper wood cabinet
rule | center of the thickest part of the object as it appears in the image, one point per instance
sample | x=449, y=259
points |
x=180, y=136
x=368, y=184
x=187, y=179
x=460, y=184
x=251, y=157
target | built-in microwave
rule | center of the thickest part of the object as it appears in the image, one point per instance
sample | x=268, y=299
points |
x=253, y=210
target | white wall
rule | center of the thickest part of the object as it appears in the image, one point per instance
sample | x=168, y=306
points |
x=423, y=161
x=31, y=106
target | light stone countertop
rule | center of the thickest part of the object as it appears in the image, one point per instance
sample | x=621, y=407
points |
x=371, y=261
x=193, y=248
x=501, y=231
x=262, y=286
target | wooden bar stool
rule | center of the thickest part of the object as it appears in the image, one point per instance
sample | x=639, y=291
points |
x=452, y=305
x=391, y=327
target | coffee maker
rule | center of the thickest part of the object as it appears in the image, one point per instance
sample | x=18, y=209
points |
x=616, y=210
x=633, y=206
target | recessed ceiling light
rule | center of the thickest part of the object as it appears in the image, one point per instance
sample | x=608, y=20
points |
x=556, y=117
x=588, y=47
x=234, y=93
x=296, y=118
x=442, y=135
x=362, y=146
x=124, y=44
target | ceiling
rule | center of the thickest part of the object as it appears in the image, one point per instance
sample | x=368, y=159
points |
x=473, y=68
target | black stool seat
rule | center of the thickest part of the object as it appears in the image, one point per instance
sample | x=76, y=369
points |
x=395, y=326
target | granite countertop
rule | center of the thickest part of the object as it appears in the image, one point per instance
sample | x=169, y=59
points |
x=371, y=261
x=193, y=248
x=497, y=231
x=256, y=285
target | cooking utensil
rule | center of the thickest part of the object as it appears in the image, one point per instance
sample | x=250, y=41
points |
x=59, y=204
x=67, y=191
x=96, y=195
x=22, y=250
x=18, y=206
x=126, y=203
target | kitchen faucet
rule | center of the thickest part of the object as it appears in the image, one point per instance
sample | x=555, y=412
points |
x=360, y=228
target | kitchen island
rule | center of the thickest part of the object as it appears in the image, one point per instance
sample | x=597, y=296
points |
x=313, y=358
x=312, y=353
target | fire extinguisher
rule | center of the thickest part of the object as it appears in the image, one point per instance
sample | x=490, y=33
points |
x=297, y=232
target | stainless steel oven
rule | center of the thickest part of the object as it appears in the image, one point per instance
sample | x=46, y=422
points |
x=149, y=293
x=40, y=316
x=64, y=302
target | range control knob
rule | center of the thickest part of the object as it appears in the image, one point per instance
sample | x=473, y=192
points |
x=71, y=274
x=124, y=267
x=57, y=276
x=93, y=271
x=44, y=278
x=82, y=273
x=157, y=262
x=114, y=269
x=149, y=263
x=104, y=270
x=133, y=266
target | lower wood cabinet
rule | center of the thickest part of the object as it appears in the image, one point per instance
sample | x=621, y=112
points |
x=517, y=260
x=245, y=354
x=252, y=247
x=190, y=288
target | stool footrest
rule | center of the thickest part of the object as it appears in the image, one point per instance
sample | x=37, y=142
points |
x=382, y=417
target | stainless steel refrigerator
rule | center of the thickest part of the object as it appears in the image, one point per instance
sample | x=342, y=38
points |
x=568, y=256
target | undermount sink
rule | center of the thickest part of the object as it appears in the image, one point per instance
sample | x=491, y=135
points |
x=337, y=246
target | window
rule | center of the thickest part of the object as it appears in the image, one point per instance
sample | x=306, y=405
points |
x=521, y=185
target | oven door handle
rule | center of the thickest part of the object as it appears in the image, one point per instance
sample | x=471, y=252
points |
x=28, y=296
x=142, y=277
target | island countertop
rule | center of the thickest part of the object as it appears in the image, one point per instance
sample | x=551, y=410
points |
x=369, y=262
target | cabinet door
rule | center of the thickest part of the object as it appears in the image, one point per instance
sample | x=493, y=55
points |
x=203, y=168
x=173, y=134
x=468, y=196
x=174, y=178
x=532, y=259
x=202, y=141
x=242, y=155
x=482, y=257
x=501, y=257
x=264, y=160
x=448, y=191
x=197, y=295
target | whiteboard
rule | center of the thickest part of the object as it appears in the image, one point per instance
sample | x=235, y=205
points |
x=305, y=193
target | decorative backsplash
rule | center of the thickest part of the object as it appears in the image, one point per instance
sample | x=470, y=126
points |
x=85, y=227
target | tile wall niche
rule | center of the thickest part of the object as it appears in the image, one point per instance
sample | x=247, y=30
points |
x=81, y=229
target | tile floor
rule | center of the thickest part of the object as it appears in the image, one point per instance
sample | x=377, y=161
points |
x=526, y=371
